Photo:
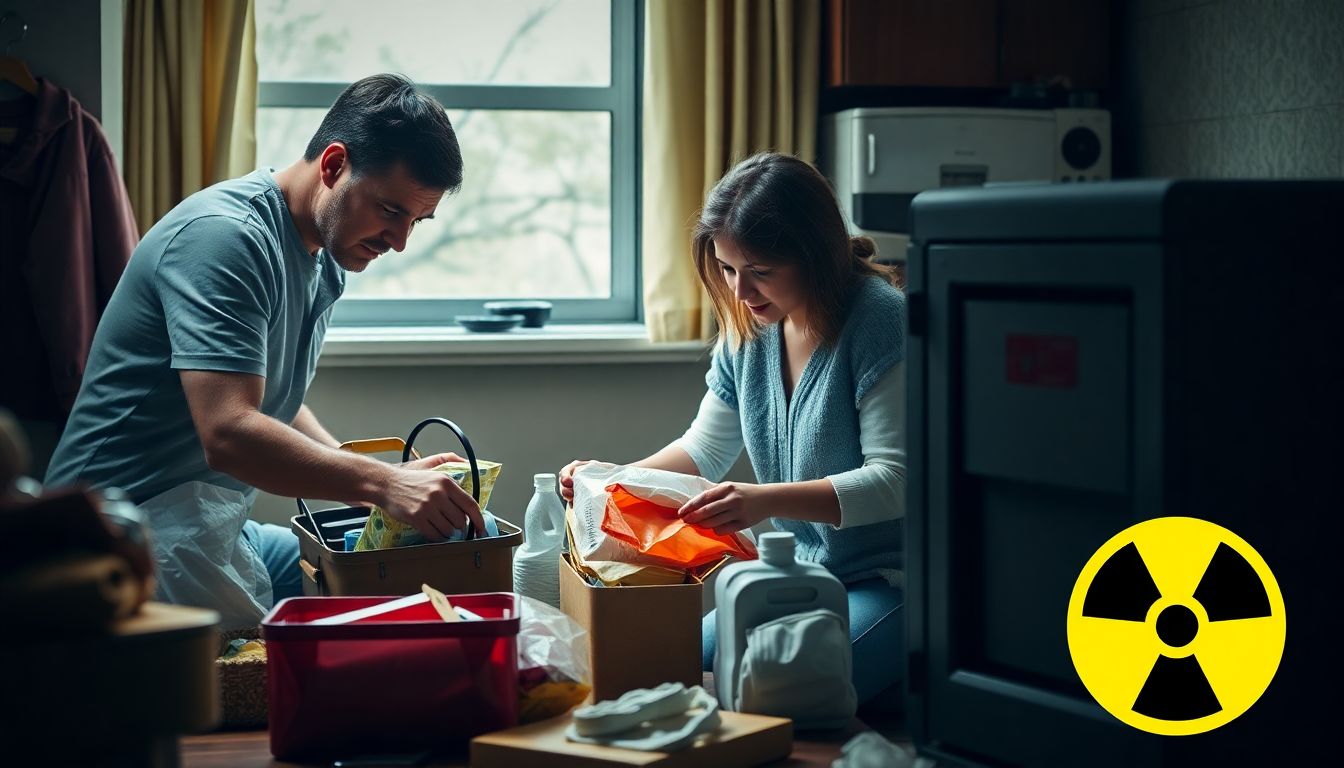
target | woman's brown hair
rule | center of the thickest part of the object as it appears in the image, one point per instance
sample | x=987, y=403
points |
x=782, y=211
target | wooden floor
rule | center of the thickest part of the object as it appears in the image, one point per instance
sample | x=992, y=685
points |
x=251, y=749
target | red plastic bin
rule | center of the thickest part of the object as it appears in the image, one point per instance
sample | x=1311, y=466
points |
x=403, y=681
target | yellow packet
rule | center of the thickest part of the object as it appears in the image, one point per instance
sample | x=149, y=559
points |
x=382, y=531
x=550, y=699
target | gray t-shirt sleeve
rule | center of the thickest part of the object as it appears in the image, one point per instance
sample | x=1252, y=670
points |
x=218, y=289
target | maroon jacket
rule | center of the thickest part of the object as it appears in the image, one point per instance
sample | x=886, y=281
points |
x=66, y=233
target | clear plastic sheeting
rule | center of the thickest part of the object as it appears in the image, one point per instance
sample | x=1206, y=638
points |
x=870, y=750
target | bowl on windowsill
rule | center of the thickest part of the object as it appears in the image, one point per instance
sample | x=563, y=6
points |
x=489, y=323
x=535, y=313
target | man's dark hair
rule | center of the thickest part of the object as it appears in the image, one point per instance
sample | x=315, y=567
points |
x=383, y=120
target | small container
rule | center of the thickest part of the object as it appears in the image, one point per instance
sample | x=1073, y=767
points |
x=403, y=681
x=489, y=323
x=535, y=313
x=753, y=592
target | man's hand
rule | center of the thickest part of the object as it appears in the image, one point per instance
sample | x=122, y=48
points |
x=728, y=507
x=429, y=501
x=430, y=462
x=427, y=462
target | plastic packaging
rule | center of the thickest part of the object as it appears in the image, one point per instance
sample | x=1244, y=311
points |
x=644, y=523
x=384, y=532
x=799, y=666
x=553, y=670
x=536, y=564
x=752, y=593
x=660, y=536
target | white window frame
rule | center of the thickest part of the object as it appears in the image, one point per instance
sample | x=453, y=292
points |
x=620, y=99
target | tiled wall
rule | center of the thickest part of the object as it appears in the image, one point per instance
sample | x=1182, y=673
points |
x=1233, y=88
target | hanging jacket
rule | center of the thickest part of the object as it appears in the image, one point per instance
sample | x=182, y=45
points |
x=66, y=233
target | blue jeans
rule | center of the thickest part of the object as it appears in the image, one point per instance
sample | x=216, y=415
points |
x=278, y=548
x=876, y=631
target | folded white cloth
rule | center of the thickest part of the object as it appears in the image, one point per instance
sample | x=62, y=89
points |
x=663, y=719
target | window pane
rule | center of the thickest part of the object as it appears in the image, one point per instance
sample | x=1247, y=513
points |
x=467, y=42
x=533, y=219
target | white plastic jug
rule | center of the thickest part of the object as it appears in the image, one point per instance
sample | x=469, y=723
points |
x=754, y=592
x=536, y=564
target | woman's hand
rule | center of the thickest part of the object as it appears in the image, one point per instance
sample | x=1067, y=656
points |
x=728, y=507
x=567, y=478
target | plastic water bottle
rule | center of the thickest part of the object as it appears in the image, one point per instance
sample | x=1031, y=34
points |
x=536, y=564
x=752, y=592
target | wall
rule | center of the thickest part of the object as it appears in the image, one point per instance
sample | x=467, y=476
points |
x=1232, y=88
x=77, y=44
x=533, y=418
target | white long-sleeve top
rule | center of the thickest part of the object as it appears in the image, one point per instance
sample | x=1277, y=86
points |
x=872, y=493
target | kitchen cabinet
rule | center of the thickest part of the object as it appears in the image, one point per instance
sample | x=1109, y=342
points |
x=1043, y=39
x=947, y=43
x=967, y=43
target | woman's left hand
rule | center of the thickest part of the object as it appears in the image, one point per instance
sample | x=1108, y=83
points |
x=727, y=507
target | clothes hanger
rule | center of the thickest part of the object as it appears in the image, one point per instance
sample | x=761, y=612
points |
x=12, y=68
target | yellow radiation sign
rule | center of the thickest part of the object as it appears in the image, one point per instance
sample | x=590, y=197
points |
x=1176, y=626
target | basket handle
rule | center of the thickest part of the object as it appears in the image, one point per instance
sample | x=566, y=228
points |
x=314, y=574
x=409, y=450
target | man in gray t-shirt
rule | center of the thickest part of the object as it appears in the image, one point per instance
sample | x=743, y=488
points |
x=193, y=394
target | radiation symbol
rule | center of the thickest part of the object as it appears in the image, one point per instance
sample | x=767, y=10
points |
x=1176, y=626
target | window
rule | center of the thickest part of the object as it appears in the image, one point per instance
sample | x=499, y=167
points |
x=544, y=96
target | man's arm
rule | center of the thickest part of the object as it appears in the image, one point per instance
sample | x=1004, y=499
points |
x=306, y=422
x=241, y=441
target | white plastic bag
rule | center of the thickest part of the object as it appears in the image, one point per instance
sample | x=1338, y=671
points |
x=201, y=556
x=870, y=750
x=548, y=638
x=668, y=489
x=552, y=661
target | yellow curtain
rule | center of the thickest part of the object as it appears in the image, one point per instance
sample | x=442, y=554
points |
x=191, y=99
x=722, y=79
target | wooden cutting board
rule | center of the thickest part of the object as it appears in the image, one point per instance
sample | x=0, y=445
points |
x=741, y=740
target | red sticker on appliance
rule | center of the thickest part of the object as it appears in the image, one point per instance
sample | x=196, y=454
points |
x=1042, y=361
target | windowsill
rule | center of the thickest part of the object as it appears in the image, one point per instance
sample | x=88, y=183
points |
x=350, y=347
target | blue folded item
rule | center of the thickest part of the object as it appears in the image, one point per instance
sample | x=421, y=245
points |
x=491, y=528
x=491, y=524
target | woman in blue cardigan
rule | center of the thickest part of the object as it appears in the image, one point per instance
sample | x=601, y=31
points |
x=808, y=375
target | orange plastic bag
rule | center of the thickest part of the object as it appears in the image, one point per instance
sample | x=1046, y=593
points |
x=659, y=534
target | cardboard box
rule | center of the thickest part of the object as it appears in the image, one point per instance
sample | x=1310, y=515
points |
x=638, y=637
x=741, y=740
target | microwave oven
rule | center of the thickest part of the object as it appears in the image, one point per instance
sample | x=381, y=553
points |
x=878, y=159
